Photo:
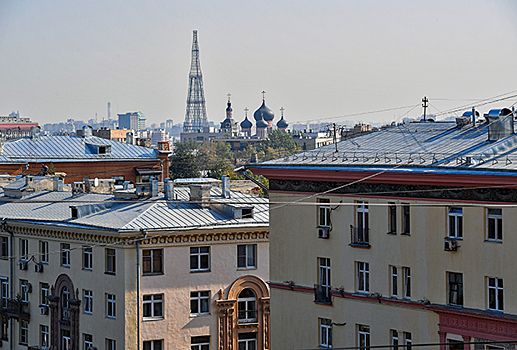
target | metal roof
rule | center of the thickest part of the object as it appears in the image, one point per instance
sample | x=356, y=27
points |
x=48, y=207
x=66, y=148
x=420, y=146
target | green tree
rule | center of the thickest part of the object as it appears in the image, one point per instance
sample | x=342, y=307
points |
x=184, y=162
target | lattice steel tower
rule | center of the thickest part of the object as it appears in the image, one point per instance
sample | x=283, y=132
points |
x=195, y=118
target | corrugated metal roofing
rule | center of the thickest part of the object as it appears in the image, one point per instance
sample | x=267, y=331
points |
x=151, y=214
x=66, y=148
x=438, y=146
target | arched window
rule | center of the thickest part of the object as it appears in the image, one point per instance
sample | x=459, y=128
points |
x=247, y=305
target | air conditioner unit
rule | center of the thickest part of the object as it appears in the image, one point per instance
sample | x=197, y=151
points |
x=27, y=288
x=38, y=267
x=23, y=265
x=323, y=232
x=451, y=245
x=43, y=309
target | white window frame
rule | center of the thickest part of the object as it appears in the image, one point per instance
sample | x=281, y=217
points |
x=195, y=252
x=394, y=281
x=87, y=258
x=111, y=344
x=65, y=254
x=363, y=336
x=111, y=306
x=43, y=250
x=455, y=222
x=44, y=292
x=66, y=342
x=44, y=336
x=324, y=213
x=88, y=344
x=249, y=344
x=496, y=285
x=88, y=301
x=199, y=345
x=249, y=311
x=325, y=274
x=199, y=297
x=111, y=260
x=363, y=216
x=249, y=255
x=325, y=333
x=407, y=282
x=5, y=291
x=363, y=277
x=497, y=220
x=394, y=339
x=407, y=340
x=153, y=300
x=24, y=292
x=24, y=249
x=24, y=332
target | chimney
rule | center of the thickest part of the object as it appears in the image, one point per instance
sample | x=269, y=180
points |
x=87, y=184
x=154, y=187
x=29, y=181
x=58, y=184
x=77, y=188
x=130, y=138
x=168, y=189
x=200, y=194
x=35, y=133
x=225, y=190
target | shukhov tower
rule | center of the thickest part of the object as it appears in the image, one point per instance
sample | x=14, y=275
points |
x=195, y=118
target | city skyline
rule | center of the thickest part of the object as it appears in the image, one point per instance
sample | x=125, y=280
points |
x=319, y=61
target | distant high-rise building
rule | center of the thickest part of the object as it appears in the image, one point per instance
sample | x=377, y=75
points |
x=195, y=117
x=134, y=121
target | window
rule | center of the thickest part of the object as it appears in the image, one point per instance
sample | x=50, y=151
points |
x=362, y=223
x=455, y=288
x=392, y=218
x=24, y=290
x=247, y=256
x=247, y=213
x=407, y=340
x=455, y=222
x=5, y=247
x=65, y=340
x=495, y=294
x=394, y=339
x=110, y=261
x=88, y=301
x=405, y=218
x=247, y=306
x=111, y=344
x=111, y=306
x=248, y=341
x=324, y=212
x=44, y=289
x=87, y=258
x=199, y=259
x=44, y=336
x=325, y=333
x=24, y=249
x=5, y=291
x=153, y=345
x=88, y=341
x=24, y=332
x=65, y=254
x=363, y=277
x=394, y=281
x=153, y=306
x=199, y=303
x=363, y=336
x=200, y=343
x=407, y=282
x=43, y=251
x=152, y=261
x=65, y=311
x=495, y=225
x=324, y=294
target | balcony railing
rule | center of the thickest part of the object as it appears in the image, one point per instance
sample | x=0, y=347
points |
x=359, y=236
x=15, y=308
x=322, y=294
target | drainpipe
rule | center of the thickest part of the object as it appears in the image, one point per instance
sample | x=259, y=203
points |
x=144, y=234
x=11, y=276
x=161, y=166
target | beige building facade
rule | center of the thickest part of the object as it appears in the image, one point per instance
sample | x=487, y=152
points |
x=88, y=271
x=404, y=245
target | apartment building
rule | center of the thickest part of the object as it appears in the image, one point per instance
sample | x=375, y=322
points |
x=180, y=270
x=400, y=237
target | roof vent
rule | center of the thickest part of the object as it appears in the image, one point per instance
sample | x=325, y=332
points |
x=35, y=133
x=200, y=194
x=500, y=124
x=154, y=187
x=225, y=193
x=87, y=131
x=58, y=184
x=168, y=189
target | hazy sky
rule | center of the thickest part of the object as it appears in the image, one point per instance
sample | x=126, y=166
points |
x=321, y=60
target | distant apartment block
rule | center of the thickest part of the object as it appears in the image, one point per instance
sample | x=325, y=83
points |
x=132, y=120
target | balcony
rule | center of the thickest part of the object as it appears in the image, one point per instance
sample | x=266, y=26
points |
x=322, y=294
x=16, y=309
x=359, y=237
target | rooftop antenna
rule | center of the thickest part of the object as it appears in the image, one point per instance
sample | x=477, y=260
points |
x=425, y=100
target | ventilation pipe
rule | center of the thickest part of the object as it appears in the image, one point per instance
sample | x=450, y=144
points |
x=168, y=189
x=154, y=187
x=225, y=181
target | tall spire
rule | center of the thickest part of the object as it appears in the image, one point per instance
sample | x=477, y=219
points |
x=195, y=117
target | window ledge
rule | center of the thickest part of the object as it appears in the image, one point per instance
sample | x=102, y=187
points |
x=200, y=315
x=454, y=238
x=360, y=245
x=391, y=233
x=85, y=269
x=109, y=273
x=325, y=303
x=246, y=268
x=41, y=262
x=66, y=266
x=493, y=241
x=405, y=234
x=152, y=274
x=111, y=317
x=151, y=319
x=199, y=271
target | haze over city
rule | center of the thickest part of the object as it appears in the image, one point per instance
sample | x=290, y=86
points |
x=318, y=60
